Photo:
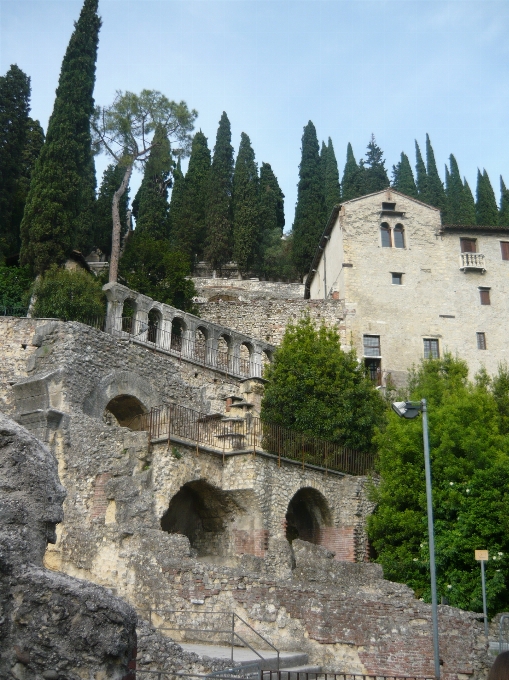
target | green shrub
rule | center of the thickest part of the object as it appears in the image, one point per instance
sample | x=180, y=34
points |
x=69, y=295
x=15, y=285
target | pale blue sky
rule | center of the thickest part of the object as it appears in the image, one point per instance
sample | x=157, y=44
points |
x=397, y=69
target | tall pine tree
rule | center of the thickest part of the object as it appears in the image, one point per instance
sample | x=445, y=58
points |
x=435, y=192
x=59, y=209
x=351, y=183
x=310, y=211
x=331, y=186
x=373, y=173
x=112, y=177
x=218, y=246
x=151, y=211
x=421, y=176
x=403, y=178
x=190, y=223
x=486, y=211
x=246, y=206
x=503, y=215
x=14, y=110
x=271, y=214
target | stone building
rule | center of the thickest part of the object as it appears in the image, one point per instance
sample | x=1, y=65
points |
x=413, y=287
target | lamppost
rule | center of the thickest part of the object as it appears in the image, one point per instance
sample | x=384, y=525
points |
x=411, y=409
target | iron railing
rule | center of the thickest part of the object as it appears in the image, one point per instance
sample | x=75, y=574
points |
x=192, y=349
x=246, y=672
x=229, y=435
x=226, y=627
x=13, y=311
x=318, y=675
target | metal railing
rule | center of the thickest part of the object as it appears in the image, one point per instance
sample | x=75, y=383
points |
x=13, y=311
x=191, y=349
x=227, y=628
x=238, y=673
x=503, y=633
x=234, y=435
x=318, y=675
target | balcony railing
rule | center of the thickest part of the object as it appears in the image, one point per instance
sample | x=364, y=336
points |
x=472, y=262
x=229, y=435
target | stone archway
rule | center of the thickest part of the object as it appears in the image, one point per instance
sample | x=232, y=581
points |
x=308, y=512
x=124, y=410
x=203, y=513
x=122, y=393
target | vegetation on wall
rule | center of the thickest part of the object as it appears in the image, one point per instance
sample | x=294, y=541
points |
x=469, y=446
x=317, y=388
x=71, y=295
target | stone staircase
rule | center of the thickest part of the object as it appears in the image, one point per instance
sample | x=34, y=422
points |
x=290, y=662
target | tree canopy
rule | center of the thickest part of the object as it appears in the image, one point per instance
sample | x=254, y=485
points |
x=403, y=178
x=469, y=447
x=317, y=388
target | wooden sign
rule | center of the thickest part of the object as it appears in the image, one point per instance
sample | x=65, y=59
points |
x=481, y=555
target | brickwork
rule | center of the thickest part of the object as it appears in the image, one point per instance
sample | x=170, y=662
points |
x=99, y=500
x=254, y=542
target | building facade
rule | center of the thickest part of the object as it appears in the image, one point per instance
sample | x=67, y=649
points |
x=413, y=287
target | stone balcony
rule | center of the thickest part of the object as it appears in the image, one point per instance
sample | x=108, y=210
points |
x=472, y=262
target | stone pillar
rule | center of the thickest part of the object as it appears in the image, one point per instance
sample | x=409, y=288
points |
x=116, y=295
x=256, y=361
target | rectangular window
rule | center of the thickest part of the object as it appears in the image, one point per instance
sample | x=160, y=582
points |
x=431, y=348
x=372, y=346
x=481, y=341
x=388, y=206
x=397, y=279
x=468, y=245
x=504, y=245
x=485, y=296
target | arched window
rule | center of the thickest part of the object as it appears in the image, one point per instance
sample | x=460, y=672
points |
x=386, y=235
x=399, y=236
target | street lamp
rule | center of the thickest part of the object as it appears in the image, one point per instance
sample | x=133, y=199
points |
x=411, y=409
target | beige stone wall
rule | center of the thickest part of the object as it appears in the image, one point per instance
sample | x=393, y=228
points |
x=436, y=299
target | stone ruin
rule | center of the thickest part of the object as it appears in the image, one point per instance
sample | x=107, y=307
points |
x=129, y=499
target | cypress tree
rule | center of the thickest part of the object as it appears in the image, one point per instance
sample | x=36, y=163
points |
x=176, y=202
x=486, y=211
x=152, y=196
x=14, y=110
x=468, y=204
x=218, y=246
x=351, y=184
x=112, y=177
x=403, y=178
x=62, y=191
x=435, y=192
x=458, y=202
x=271, y=214
x=421, y=176
x=246, y=206
x=310, y=212
x=323, y=161
x=332, y=188
x=373, y=173
x=503, y=216
x=189, y=230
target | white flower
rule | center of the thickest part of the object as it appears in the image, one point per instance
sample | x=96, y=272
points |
x=451, y=483
x=494, y=557
x=415, y=559
x=468, y=490
x=497, y=569
x=449, y=586
x=500, y=554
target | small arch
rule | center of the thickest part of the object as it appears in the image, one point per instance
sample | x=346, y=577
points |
x=245, y=354
x=224, y=344
x=122, y=410
x=128, y=315
x=178, y=328
x=308, y=511
x=200, y=343
x=385, y=232
x=201, y=512
x=155, y=319
x=399, y=236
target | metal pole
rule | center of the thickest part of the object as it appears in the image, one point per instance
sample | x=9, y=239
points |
x=484, y=607
x=429, y=503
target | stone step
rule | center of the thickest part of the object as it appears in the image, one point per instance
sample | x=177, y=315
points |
x=246, y=657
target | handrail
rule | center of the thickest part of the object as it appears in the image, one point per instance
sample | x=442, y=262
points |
x=234, y=616
x=230, y=436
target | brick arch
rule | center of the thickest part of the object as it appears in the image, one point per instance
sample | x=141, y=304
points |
x=120, y=385
x=308, y=512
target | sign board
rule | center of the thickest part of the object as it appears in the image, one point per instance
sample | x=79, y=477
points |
x=481, y=555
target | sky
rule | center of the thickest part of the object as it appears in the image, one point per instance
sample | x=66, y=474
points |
x=396, y=69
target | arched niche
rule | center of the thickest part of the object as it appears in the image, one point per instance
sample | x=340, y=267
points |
x=155, y=319
x=308, y=511
x=178, y=328
x=128, y=315
x=123, y=410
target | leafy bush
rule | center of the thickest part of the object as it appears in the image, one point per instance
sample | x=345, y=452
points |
x=15, y=285
x=70, y=295
x=469, y=449
x=150, y=266
x=318, y=389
